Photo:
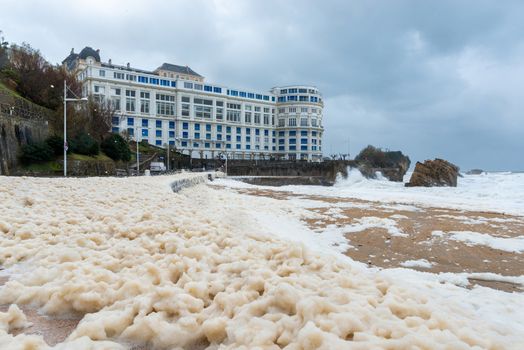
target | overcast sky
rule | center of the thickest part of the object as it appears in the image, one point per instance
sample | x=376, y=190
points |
x=431, y=78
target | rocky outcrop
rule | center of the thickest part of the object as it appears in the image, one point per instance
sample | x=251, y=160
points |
x=393, y=165
x=475, y=172
x=436, y=172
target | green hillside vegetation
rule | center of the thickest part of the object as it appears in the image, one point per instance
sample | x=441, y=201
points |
x=25, y=74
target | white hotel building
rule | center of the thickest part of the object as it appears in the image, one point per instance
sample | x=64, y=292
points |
x=174, y=105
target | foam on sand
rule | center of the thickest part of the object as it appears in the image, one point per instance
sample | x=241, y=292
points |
x=197, y=269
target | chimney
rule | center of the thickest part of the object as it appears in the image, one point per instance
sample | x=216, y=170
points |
x=72, y=50
x=98, y=51
x=109, y=61
x=128, y=65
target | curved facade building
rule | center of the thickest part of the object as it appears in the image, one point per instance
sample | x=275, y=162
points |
x=298, y=123
x=174, y=105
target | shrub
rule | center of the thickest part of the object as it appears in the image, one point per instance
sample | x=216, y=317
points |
x=116, y=148
x=84, y=144
x=36, y=153
x=56, y=143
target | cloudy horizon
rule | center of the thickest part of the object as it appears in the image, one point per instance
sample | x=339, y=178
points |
x=432, y=79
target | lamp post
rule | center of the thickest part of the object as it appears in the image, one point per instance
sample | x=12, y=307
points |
x=65, y=122
x=137, y=161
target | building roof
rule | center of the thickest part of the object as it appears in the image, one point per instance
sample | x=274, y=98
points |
x=178, y=69
x=89, y=51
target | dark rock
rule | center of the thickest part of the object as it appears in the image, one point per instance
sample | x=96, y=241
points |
x=392, y=164
x=436, y=172
x=475, y=172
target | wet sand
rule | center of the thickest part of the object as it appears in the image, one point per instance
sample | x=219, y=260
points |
x=376, y=247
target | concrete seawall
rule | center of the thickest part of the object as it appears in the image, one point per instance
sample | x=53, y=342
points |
x=324, y=173
x=193, y=180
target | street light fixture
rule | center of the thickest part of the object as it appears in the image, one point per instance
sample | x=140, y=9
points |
x=83, y=99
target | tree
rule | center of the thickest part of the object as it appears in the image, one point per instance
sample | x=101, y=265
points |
x=35, y=153
x=116, y=148
x=84, y=144
x=38, y=80
x=100, y=115
x=56, y=143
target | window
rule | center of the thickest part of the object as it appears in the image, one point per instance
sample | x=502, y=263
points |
x=171, y=134
x=281, y=133
x=188, y=85
x=247, y=117
x=248, y=138
x=197, y=135
x=281, y=122
x=130, y=93
x=144, y=102
x=142, y=79
x=217, y=90
x=130, y=104
x=117, y=75
x=207, y=145
x=171, y=142
x=303, y=133
x=292, y=110
x=292, y=122
x=303, y=148
x=303, y=141
x=219, y=137
x=116, y=91
x=303, y=109
x=115, y=130
x=102, y=73
x=239, y=138
x=185, y=126
x=185, y=135
x=266, y=119
x=115, y=102
x=228, y=137
x=257, y=132
x=228, y=145
x=130, y=121
x=257, y=118
x=202, y=108
x=208, y=127
x=184, y=143
x=314, y=133
x=131, y=132
x=283, y=91
x=198, y=86
x=197, y=126
x=219, y=113
x=292, y=141
x=228, y=129
x=115, y=120
x=238, y=146
x=292, y=133
x=145, y=123
x=158, y=123
x=159, y=133
x=313, y=122
x=293, y=148
x=196, y=145
x=303, y=122
x=145, y=132
x=208, y=136
x=165, y=104
x=219, y=128
x=218, y=145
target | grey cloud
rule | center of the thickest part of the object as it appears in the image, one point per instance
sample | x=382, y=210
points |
x=432, y=78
